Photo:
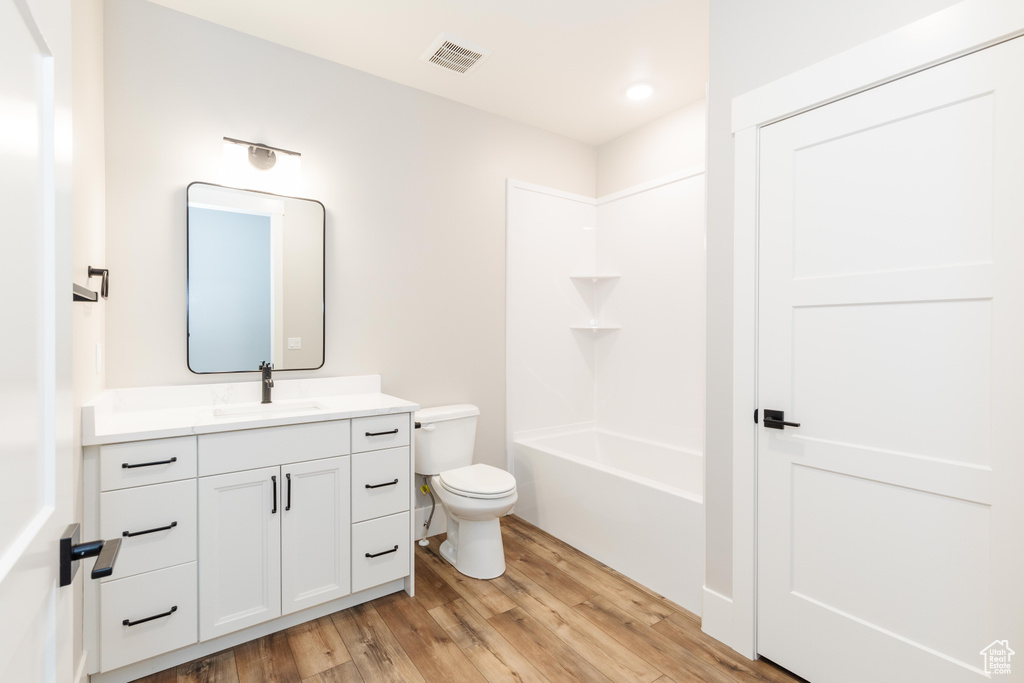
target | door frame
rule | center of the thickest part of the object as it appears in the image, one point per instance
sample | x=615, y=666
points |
x=966, y=27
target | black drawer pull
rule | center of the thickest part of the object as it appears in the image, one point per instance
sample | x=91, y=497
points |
x=393, y=550
x=377, y=486
x=129, y=534
x=129, y=622
x=393, y=431
x=273, y=510
x=126, y=466
x=288, y=505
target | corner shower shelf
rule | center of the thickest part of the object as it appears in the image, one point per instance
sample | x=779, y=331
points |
x=596, y=328
x=596, y=277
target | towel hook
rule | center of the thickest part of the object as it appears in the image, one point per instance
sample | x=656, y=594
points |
x=105, y=283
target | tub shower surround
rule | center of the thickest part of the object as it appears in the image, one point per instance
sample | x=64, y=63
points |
x=605, y=339
x=633, y=504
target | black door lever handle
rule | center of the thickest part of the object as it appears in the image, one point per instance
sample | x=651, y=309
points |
x=71, y=551
x=776, y=419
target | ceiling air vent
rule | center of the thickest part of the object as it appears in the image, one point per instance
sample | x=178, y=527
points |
x=455, y=54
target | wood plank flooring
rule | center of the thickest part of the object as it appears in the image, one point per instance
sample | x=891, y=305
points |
x=556, y=615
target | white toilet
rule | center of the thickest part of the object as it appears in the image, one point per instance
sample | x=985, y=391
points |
x=473, y=496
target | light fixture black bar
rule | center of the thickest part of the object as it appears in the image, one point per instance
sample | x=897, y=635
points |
x=262, y=146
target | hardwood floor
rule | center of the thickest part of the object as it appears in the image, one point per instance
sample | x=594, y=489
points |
x=556, y=615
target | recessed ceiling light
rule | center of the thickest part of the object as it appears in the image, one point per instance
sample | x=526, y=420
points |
x=640, y=91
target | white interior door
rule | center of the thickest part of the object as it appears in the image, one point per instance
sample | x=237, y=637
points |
x=891, y=327
x=35, y=615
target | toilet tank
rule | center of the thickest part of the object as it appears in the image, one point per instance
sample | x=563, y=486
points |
x=445, y=438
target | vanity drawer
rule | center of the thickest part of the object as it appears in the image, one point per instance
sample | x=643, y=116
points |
x=270, y=446
x=140, y=463
x=379, y=432
x=386, y=537
x=141, y=597
x=380, y=483
x=140, y=517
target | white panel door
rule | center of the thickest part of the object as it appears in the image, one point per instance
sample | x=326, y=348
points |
x=892, y=329
x=35, y=467
x=315, y=532
x=239, y=550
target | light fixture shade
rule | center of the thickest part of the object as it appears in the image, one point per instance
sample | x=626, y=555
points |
x=262, y=158
x=257, y=167
x=640, y=91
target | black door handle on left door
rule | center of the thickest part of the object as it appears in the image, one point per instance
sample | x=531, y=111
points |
x=71, y=551
x=776, y=419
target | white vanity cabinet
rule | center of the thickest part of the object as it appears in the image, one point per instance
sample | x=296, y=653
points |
x=147, y=497
x=315, y=533
x=240, y=543
x=273, y=541
x=242, y=529
x=381, y=472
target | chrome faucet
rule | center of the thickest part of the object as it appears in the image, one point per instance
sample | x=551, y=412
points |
x=268, y=381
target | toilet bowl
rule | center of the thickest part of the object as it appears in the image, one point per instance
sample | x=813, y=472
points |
x=473, y=496
x=474, y=544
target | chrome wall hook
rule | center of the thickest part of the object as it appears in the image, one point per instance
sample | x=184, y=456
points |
x=105, y=282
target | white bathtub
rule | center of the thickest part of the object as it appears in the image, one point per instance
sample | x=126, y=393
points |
x=635, y=505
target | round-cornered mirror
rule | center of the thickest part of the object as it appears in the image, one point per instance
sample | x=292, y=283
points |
x=255, y=280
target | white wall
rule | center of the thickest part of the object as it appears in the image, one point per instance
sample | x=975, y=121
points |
x=650, y=374
x=414, y=187
x=550, y=367
x=87, y=236
x=753, y=44
x=672, y=143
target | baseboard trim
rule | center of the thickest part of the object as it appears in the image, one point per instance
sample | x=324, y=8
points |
x=716, y=621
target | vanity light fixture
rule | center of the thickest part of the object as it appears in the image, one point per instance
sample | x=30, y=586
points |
x=259, y=166
x=261, y=157
x=640, y=91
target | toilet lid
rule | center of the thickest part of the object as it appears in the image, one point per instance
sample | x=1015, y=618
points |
x=478, y=481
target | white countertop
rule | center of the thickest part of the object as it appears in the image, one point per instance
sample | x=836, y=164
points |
x=120, y=415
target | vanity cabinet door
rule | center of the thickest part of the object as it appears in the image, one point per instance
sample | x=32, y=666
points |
x=239, y=550
x=315, y=533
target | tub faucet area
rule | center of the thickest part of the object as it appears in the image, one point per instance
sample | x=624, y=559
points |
x=268, y=380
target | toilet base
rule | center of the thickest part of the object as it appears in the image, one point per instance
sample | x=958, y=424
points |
x=477, y=550
x=474, y=545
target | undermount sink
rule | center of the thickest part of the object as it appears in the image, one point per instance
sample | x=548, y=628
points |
x=254, y=409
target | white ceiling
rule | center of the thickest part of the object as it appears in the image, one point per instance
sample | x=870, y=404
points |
x=561, y=65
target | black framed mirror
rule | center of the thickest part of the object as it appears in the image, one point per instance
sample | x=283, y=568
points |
x=255, y=280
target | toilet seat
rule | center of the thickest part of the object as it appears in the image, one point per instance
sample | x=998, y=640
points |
x=478, y=481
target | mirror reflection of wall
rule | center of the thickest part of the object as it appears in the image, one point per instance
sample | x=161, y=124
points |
x=255, y=280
